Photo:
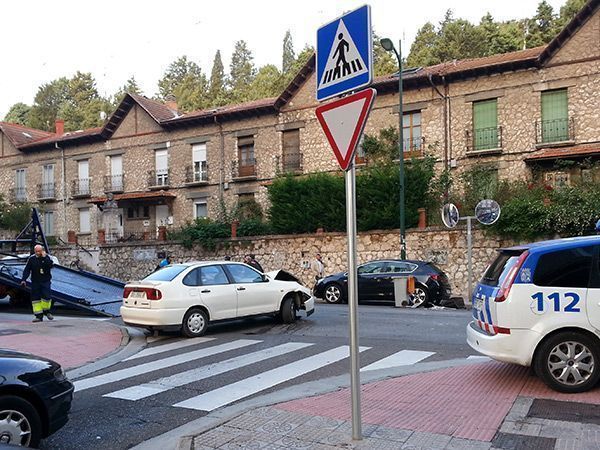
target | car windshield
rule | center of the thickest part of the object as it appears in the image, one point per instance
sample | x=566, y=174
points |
x=167, y=273
x=498, y=270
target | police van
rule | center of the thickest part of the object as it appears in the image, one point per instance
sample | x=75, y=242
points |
x=539, y=305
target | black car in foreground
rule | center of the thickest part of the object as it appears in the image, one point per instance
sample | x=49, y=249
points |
x=35, y=398
x=375, y=282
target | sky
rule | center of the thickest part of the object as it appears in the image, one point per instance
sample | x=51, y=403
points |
x=114, y=40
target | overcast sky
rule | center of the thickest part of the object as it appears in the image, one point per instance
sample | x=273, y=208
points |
x=43, y=40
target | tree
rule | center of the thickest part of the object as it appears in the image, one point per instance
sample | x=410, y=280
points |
x=83, y=107
x=459, y=39
x=191, y=93
x=267, y=83
x=241, y=72
x=217, y=94
x=18, y=113
x=288, y=56
x=48, y=100
x=567, y=12
x=422, y=50
x=384, y=62
x=177, y=71
x=542, y=26
x=130, y=87
x=500, y=37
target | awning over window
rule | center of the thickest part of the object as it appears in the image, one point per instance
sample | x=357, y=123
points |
x=570, y=152
x=154, y=195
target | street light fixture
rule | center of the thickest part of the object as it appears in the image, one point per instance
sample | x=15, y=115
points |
x=388, y=45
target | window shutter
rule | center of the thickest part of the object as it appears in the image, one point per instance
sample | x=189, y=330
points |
x=246, y=140
x=554, y=105
x=199, y=152
x=291, y=142
x=485, y=114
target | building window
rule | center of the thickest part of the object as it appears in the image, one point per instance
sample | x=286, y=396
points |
x=555, y=116
x=48, y=223
x=246, y=156
x=291, y=150
x=20, y=187
x=557, y=179
x=83, y=182
x=84, y=220
x=138, y=212
x=200, y=169
x=485, y=125
x=47, y=186
x=115, y=183
x=200, y=209
x=411, y=127
x=161, y=160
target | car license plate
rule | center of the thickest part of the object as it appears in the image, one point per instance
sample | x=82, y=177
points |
x=136, y=294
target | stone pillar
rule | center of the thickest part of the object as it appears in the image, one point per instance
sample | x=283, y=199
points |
x=422, y=218
x=101, y=236
x=234, y=226
x=71, y=237
x=162, y=233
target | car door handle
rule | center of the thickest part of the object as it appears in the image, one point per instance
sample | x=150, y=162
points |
x=205, y=291
x=241, y=288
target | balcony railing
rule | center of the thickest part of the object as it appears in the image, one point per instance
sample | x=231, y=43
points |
x=159, y=178
x=46, y=191
x=556, y=130
x=81, y=187
x=482, y=139
x=247, y=169
x=196, y=173
x=114, y=183
x=289, y=162
x=414, y=147
x=18, y=195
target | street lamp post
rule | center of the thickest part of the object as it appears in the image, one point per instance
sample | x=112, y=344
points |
x=388, y=45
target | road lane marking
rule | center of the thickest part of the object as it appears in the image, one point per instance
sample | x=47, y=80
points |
x=168, y=347
x=402, y=358
x=130, y=372
x=216, y=398
x=193, y=375
x=479, y=357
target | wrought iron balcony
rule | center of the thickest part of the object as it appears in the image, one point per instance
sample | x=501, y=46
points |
x=243, y=169
x=81, y=187
x=482, y=139
x=114, y=183
x=556, y=130
x=46, y=191
x=197, y=173
x=414, y=147
x=290, y=162
x=159, y=178
x=18, y=195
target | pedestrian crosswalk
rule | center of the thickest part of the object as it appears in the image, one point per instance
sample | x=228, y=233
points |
x=251, y=365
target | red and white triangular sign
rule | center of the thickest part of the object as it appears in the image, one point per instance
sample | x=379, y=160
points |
x=343, y=122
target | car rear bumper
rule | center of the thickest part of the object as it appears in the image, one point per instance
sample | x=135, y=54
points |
x=147, y=317
x=516, y=347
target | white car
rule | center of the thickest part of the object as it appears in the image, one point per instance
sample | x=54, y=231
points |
x=189, y=296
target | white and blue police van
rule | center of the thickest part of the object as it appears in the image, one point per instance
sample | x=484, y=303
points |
x=539, y=305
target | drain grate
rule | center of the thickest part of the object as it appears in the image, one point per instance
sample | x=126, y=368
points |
x=507, y=441
x=10, y=332
x=567, y=411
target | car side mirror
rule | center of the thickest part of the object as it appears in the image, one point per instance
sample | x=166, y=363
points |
x=264, y=277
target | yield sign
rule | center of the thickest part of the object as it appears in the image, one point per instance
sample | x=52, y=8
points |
x=343, y=122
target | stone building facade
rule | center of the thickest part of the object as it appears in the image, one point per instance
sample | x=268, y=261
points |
x=151, y=166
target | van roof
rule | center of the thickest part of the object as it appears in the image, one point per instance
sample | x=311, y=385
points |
x=557, y=244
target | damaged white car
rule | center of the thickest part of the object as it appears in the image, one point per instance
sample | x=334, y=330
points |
x=190, y=296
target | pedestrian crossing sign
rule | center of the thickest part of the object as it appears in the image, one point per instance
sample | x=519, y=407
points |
x=345, y=54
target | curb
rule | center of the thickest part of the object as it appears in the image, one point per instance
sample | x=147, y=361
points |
x=132, y=341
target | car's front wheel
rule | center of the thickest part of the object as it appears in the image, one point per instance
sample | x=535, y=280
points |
x=333, y=293
x=288, y=310
x=20, y=423
x=195, y=323
x=420, y=296
x=568, y=362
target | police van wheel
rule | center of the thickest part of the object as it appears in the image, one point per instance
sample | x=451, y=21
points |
x=569, y=362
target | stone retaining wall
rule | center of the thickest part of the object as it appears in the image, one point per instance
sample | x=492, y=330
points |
x=294, y=253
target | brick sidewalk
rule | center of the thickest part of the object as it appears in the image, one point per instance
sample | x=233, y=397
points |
x=70, y=342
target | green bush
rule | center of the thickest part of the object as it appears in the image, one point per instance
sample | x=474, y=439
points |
x=253, y=227
x=14, y=217
x=203, y=232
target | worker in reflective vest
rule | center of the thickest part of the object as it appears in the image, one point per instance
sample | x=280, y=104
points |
x=38, y=266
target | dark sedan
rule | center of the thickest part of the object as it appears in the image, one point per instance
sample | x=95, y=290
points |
x=35, y=398
x=375, y=282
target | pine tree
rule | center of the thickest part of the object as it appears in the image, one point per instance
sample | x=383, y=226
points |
x=542, y=27
x=241, y=72
x=177, y=71
x=267, y=83
x=18, y=113
x=422, y=51
x=47, y=101
x=130, y=87
x=217, y=95
x=288, y=56
x=384, y=62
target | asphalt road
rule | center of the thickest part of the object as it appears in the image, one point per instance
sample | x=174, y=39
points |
x=116, y=423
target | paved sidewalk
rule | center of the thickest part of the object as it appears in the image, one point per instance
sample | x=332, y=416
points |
x=484, y=406
x=72, y=342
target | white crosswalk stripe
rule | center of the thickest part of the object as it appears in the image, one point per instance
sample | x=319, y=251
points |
x=193, y=375
x=241, y=389
x=130, y=372
x=402, y=358
x=168, y=347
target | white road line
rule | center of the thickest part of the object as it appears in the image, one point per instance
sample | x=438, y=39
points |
x=402, y=358
x=193, y=375
x=122, y=374
x=230, y=393
x=168, y=347
x=479, y=357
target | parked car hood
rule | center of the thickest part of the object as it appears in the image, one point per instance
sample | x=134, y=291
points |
x=282, y=275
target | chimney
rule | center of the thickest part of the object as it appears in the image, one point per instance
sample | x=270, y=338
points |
x=59, y=126
x=171, y=102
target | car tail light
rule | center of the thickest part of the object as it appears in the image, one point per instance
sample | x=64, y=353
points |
x=151, y=293
x=510, y=278
x=434, y=276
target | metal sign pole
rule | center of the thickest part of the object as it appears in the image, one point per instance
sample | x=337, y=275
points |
x=469, y=256
x=353, y=300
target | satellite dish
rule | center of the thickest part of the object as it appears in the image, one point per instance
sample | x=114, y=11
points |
x=487, y=211
x=450, y=215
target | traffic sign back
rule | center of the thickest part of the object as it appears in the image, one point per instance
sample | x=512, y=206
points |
x=344, y=54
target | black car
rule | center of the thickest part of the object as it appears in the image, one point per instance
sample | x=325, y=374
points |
x=375, y=282
x=35, y=398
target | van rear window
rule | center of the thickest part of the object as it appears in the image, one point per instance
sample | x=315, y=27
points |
x=499, y=268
